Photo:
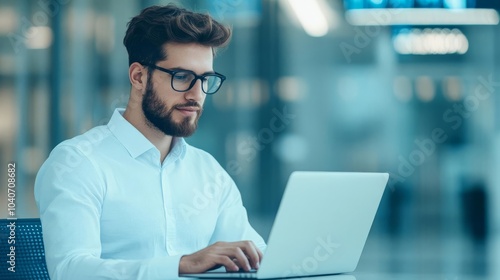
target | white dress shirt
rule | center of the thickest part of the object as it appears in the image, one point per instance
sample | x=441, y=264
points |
x=111, y=210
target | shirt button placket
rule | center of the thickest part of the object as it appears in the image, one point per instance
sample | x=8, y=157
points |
x=170, y=227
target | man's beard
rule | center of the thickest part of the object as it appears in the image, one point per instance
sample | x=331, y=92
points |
x=159, y=117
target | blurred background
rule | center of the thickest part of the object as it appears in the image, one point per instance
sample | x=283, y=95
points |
x=407, y=87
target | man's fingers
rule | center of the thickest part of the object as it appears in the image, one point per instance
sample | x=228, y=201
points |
x=231, y=255
x=236, y=255
x=261, y=255
x=240, y=258
x=227, y=262
x=252, y=254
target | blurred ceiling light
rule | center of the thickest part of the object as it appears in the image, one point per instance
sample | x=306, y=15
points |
x=311, y=16
x=257, y=94
x=8, y=20
x=33, y=158
x=425, y=88
x=40, y=37
x=9, y=123
x=7, y=65
x=452, y=88
x=250, y=93
x=291, y=89
x=226, y=100
x=79, y=23
x=430, y=41
x=104, y=34
x=455, y=4
x=422, y=16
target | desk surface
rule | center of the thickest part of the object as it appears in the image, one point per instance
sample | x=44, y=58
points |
x=449, y=258
x=416, y=276
x=390, y=276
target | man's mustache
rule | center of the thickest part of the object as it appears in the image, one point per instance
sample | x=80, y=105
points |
x=189, y=104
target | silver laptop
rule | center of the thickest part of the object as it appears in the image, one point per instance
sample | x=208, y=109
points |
x=321, y=226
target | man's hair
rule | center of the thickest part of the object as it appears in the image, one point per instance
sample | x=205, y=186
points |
x=156, y=25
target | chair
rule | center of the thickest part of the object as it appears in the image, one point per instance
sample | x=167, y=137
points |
x=29, y=250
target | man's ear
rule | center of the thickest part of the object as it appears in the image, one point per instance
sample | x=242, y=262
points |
x=138, y=75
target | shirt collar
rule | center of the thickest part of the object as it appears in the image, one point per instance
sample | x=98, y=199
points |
x=178, y=150
x=135, y=142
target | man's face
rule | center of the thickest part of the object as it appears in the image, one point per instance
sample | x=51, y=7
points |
x=176, y=113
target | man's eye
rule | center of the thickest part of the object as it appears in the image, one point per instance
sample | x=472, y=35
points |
x=182, y=77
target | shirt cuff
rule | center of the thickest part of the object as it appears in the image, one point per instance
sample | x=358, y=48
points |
x=164, y=267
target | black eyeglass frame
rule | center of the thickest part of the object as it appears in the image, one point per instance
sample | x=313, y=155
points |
x=196, y=77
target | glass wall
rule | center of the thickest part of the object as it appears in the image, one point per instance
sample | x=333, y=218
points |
x=417, y=101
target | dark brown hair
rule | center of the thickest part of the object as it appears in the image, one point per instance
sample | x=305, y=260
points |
x=157, y=25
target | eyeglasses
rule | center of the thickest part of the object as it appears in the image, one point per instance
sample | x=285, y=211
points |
x=184, y=80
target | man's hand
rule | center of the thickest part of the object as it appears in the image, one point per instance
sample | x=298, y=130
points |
x=231, y=255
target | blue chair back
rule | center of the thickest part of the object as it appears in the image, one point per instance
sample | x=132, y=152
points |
x=27, y=258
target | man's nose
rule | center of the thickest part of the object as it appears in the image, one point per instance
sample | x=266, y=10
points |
x=196, y=92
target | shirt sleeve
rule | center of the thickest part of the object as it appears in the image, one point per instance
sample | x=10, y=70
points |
x=232, y=222
x=69, y=193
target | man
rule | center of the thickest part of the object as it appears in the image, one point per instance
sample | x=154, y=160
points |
x=132, y=200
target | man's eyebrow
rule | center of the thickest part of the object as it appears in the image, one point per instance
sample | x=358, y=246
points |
x=184, y=69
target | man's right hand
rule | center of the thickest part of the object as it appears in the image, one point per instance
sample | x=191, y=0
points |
x=232, y=255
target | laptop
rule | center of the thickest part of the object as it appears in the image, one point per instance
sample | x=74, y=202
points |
x=321, y=226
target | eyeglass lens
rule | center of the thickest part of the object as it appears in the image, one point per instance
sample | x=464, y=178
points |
x=183, y=81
